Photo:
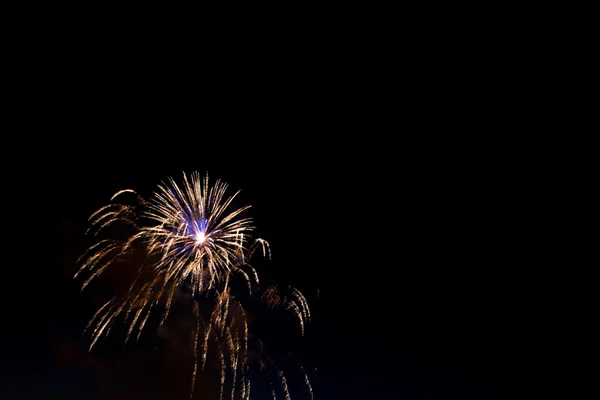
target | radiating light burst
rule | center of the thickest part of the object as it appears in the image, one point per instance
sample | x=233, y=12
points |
x=190, y=241
x=200, y=237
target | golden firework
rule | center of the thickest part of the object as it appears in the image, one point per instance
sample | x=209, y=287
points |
x=185, y=240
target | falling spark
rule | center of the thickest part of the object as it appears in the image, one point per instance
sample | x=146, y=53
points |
x=307, y=384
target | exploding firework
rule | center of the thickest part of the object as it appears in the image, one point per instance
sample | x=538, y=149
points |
x=185, y=243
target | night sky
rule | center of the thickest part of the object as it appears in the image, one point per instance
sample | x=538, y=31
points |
x=416, y=247
x=412, y=256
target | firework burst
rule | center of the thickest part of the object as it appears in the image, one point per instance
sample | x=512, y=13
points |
x=186, y=243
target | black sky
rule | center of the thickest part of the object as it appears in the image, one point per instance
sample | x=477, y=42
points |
x=420, y=252
x=408, y=210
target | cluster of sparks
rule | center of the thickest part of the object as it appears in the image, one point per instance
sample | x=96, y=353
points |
x=189, y=240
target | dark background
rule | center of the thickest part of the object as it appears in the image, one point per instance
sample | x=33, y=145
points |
x=423, y=256
x=395, y=194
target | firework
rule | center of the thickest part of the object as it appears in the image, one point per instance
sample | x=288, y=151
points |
x=185, y=242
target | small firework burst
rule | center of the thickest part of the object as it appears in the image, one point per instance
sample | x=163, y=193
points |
x=192, y=246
